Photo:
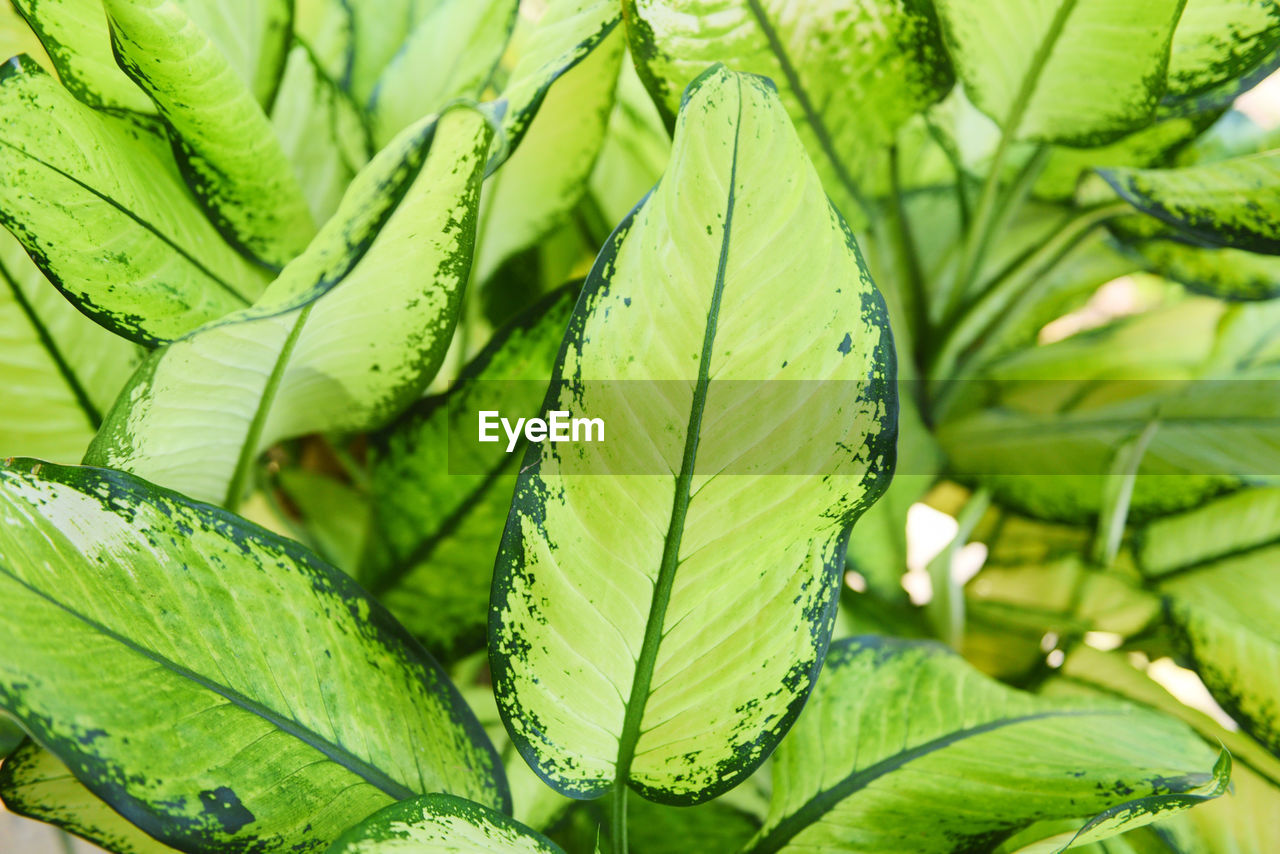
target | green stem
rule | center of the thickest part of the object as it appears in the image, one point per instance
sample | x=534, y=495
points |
x=619, y=834
x=1119, y=494
x=994, y=309
x=249, y=449
x=909, y=271
x=978, y=236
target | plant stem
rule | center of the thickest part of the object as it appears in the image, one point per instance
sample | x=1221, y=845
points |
x=979, y=234
x=620, y=816
x=909, y=272
x=993, y=310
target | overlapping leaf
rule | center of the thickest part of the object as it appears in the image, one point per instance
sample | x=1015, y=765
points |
x=439, y=824
x=99, y=205
x=218, y=685
x=230, y=158
x=435, y=530
x=1080, y=72
x=627, y=634
x=905, y=747
x=849, y=73
x=58, y=370
x=348, y=335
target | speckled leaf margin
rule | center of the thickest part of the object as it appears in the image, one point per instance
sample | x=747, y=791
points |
x=441, y=824
x=651, y=629
x=218, y=685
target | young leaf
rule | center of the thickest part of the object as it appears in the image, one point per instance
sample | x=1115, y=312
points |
x=440, y=824
x=35, y=784
x=903, y=746
x=343, y=340
x=540, y=183
x=435, y=532
x=849, y=73
x=1221, y=49
x=100, y=207
x=302, y=708
x=1229, y=203
x=59, y=372
x=451, y=54
x=74, y=33
x=565, y=35
x=229, y=156
x=1077, y=72
x=633, y=651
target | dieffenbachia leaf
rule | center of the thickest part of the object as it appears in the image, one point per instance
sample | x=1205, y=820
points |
x=1219, y=50
x=435, y=532
x=253, y=37
x=539, y=185
x=1227, y=203
x=344, y=339
x=565, y=34
x=1223, y=603
x=58, y=370
x=904, y=746
x=1035, y=67
x=634, y=152
x=602, y=631
x=301, y=708
x=377, y=31
x=74, y=33
x=321, y=131
x=1229, y=274
x=230, y=158
x=451, y=54
x=99, y=205
x=441, y=824
x=849, y=73
x=34, y=783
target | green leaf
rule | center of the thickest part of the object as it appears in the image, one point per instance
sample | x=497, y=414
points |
x=377, y=31
x=849, y=73
x=98, y=204
x=451, y=54
x=1077, y=72
x=334, y=516
x=632, y=651
x=565, y=35
x=1228, y=203
x=230, y=158
x=1228, y=274
x=255, y=39
x=33, y=783
x=302, y=708
x=74, y=33
x=905, y=747
x=343, y=340
x=1226, y=614
x=443, y=824
x=540, y=183
x=1221, y=48
x=435, y=530
x=60, y=372
x=321, y=131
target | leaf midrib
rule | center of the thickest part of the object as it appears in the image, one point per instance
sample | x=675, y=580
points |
x=826, y=800
x=638, y=698
x=334, y=752
x=812, y=116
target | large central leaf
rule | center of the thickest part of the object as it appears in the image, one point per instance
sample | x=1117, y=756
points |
x=220, y=686
x=662, y=626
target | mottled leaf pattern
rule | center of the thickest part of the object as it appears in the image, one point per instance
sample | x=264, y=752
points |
x=230, y=158
x=300, y=705
x=441, y=824
x=101, y=208
x=1037, y=67
x=435, y=531
x=343, y=340
x=1220, y=48
x=850, y=73
x=901, y=729
x=627, y=634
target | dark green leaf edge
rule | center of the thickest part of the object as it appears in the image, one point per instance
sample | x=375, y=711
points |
x=123, y=490
x=736, y=769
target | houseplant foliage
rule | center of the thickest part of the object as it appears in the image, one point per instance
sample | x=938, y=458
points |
x=265, y=261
